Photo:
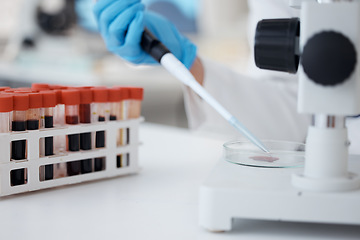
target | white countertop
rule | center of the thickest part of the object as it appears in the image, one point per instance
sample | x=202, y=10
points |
x=158, y=203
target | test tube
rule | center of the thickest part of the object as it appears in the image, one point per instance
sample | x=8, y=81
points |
x=125, y=91
x=18, y=147
x=33, y=113
x=71, y=99
x=100, y=103
x=115, y=99
x=119, y=107
x=49, y=102
x=136, y=96
x=6, y=106
x=86, y=99
x=59, y=140
x=59, y=121
x=124, y=114
x=122, y=107
x=59, y=111
x=38, y=87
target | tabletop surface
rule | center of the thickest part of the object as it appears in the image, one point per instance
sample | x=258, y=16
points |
x=161, y=202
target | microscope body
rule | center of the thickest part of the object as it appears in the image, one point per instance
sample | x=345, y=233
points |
x=329, y=90
x=324, y=49
x=330, y=27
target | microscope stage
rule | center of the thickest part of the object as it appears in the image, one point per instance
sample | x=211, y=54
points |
x=235, y=191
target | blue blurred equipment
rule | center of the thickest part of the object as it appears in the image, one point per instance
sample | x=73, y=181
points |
x=122, y=22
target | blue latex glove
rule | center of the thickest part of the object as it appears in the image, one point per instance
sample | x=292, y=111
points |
x=121, y=23
x=84, y=16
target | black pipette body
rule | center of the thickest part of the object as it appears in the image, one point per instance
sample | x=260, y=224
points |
x=153, y=46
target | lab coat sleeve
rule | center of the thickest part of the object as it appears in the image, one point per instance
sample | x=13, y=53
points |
x=267, y=107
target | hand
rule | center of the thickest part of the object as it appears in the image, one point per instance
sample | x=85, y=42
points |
x=122, y=22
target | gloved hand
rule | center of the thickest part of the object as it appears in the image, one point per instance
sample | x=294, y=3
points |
x=121, y=23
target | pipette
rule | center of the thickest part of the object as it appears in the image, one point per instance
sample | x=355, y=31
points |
x=160, y=53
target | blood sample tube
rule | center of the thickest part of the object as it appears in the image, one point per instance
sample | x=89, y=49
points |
x=18, y=147
x=85, y=117
x=125, y=102
x=49, y=102
x=59, y=121
x=38, y=87
x=115, y=103
x=136, y=96
x=59, y=111
x=134, y=108
x=71, y=99
x=118, y=97
x=6, y=106
x=100, y=98
x=33, y=113
x=59, y=140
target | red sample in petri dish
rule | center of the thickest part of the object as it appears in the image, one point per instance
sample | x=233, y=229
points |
x=264, y=158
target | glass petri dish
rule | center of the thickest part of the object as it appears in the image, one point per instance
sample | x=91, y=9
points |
x=282, y=154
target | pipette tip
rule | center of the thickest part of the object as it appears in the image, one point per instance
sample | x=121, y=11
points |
x=241, y=128
x=264, y=149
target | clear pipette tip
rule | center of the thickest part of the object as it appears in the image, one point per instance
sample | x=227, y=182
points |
x=177, y=69
x=241, y=128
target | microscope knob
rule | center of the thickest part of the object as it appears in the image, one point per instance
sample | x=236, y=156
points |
x=329, y=58
x=276, y=44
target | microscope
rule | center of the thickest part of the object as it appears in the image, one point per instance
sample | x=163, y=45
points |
x=323, y=48
x=38, y=19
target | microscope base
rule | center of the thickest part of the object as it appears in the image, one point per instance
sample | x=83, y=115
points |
x=234, y=191
x=348, y=183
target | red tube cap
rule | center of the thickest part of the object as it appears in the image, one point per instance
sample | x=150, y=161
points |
x=58, y=94
x=21, y=102
x=124, y=92
x=19, y=90
x=86, y=95
x=40, y=86
x=100, y=94
x=114, y=95
x=6, y=103
x=35, y=100
x=4, y=88
x=136, y=93
x=49, y=99
x=61, y=87
x=70, y=97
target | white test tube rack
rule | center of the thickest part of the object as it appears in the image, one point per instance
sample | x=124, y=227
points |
x=33, y=162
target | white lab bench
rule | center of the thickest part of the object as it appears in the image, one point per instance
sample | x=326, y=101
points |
x=161, y=202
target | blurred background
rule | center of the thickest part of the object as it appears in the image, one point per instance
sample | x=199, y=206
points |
x=56, y=42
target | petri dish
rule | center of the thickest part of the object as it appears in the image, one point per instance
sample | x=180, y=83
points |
x=282, y=154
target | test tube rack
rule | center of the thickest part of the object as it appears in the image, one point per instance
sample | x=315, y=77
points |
x=34, y=162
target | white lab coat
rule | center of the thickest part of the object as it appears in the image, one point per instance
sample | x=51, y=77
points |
x=264, y=101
